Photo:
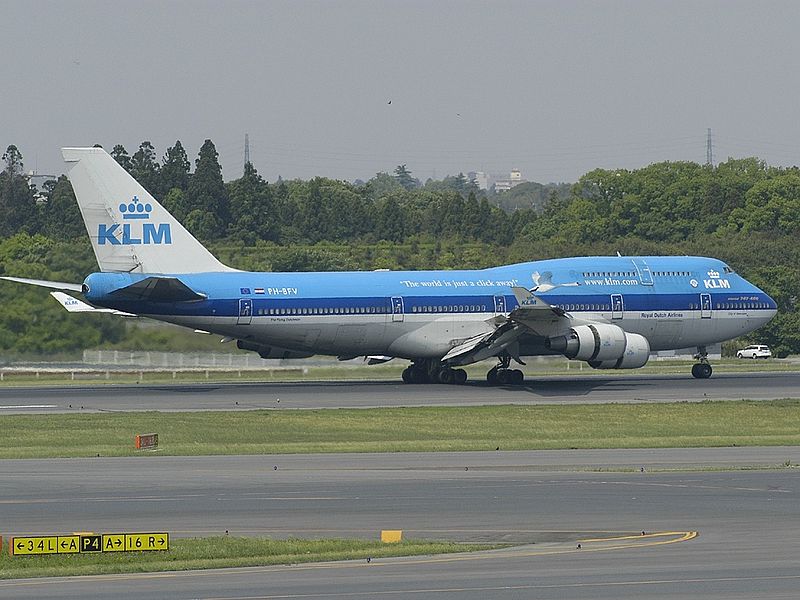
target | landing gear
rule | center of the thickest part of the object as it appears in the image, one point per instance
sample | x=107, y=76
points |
x=701, y=370
x=502, y=375
x=428, y=371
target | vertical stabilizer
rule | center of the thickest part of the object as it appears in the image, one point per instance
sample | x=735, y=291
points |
x=129, y=230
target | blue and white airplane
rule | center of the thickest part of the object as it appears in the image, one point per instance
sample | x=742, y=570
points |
x=609, y=311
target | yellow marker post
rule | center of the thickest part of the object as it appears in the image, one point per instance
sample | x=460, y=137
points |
x=140, y=542
x=391, y=536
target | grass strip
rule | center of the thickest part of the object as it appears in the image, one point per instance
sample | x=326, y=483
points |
x=418, y=429
x=535, y=368
x=217, y=553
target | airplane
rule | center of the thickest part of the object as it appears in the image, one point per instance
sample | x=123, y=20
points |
x=608, y=311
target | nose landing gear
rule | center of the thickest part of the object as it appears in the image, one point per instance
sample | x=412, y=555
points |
x=701, y=370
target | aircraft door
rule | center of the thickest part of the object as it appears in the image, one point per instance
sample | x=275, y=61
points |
x=617, y=306
x=499, y=305
x=645, y=275
x=397, y=309
x=705, y=306
x=245, y=311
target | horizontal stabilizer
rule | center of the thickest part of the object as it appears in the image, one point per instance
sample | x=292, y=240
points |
x=74, y=305
x=55, y=285
x=159, y=289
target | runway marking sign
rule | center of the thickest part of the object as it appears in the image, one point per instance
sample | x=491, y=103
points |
x=69, y=544
x=146, y=541
x=114, y=542
x=49, y=544
x=89, y=543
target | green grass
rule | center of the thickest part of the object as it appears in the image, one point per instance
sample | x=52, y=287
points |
x=391, y=371
x=219, y=552
x=681, y=424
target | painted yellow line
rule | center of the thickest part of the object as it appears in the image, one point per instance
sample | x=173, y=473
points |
x=636, y=537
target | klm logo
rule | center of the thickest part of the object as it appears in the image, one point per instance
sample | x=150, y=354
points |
x=715, y=282
x=135, y=233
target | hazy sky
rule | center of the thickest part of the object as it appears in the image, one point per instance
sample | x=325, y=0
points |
x=552, y=88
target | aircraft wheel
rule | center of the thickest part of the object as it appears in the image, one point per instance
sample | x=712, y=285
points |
x=701, y=371
x=516, y=377
x=459, y=376
x=503, y=376
x=407, y=375
x=418, y=375
x=491, y=376
x=446, y=375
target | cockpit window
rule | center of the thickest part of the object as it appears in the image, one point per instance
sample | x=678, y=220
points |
x=727, y=269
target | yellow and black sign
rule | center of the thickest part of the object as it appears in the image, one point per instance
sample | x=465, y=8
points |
x=135, y=542
x=114, y=542
x=91, y=543
x=73, y=544
x=51, y=544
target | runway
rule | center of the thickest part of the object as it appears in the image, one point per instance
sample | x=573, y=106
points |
x=748, y=521
x=360, y=394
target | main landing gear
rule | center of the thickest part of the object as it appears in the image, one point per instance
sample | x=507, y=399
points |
x=429, y=371
x=502, y=375
x=701, y=370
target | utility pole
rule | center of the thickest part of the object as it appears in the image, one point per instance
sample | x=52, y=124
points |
x=709, y=150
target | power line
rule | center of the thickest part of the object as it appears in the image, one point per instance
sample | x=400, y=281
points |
x=709, y=150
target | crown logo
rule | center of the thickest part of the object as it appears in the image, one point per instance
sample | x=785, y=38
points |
x=135, y=209
x=713, y=274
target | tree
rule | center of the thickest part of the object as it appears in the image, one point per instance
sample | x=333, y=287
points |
x=252, y=209
x=62, y=218
x=18, y=210
x=404, y=178
x=144, y=168
x=119, y=154
x=174, y=173
x=206, y=194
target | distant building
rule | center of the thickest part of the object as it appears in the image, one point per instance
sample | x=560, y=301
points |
x=480, y=178
x=503, y=184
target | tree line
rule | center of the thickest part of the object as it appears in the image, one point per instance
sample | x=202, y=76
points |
x=742, y=211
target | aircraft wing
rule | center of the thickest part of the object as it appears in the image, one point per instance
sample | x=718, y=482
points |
x=77, y=306
x=56, y=285
x=532, y=316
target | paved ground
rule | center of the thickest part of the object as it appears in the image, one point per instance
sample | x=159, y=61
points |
x=748, y=521
x=234, y=396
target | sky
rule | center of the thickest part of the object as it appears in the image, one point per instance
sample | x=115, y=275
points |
x=345, y=89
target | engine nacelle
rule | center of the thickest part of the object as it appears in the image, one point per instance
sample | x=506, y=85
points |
x=271, y=351
x=603, y=346
x=637, y=353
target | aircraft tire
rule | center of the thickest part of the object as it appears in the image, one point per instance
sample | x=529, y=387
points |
x=445, y=375
x=407, y=375
x=503, y=377
x=516, y=377
x=491, y=376
x=702, y=371
x=418, y=375
x=459, y=376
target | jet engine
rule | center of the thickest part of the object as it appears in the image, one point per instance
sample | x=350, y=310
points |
x=271, y=351
x=603, y=346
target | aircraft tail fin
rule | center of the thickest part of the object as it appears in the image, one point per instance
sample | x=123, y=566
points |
x=129, y=230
